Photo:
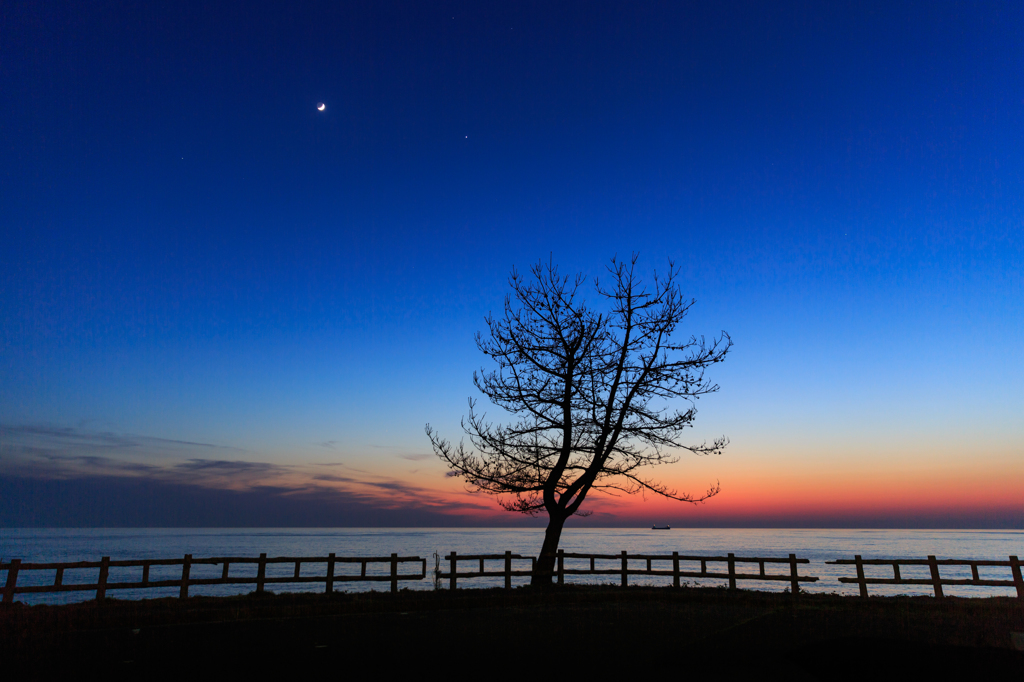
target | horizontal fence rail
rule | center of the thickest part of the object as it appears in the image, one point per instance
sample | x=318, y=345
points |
x=935, y=580
x=624, y=570
x=102, y=584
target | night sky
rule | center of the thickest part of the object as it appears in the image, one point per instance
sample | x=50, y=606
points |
x=220, y=306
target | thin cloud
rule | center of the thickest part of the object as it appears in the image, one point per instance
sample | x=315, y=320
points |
x=229, y=466
x=105, y=463
x=58, y=467
x=334, y=479
x=66, y=437
x=81, y=438
x=416, y=458
x=395, y=486
x=192, y=444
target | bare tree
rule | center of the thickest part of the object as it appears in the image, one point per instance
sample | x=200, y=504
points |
x=597, y=395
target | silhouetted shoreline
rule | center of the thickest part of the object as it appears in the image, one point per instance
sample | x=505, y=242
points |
x=586, y=627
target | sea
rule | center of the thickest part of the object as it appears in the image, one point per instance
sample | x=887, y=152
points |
x=817, y=545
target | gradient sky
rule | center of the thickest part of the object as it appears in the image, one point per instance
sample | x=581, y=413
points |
x=220, y=306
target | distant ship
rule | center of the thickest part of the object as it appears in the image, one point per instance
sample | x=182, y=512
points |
x=665, y=527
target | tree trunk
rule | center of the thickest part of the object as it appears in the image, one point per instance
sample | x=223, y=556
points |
x=548, y=552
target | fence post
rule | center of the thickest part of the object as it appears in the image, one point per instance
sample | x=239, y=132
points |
x=1018, y=581
x=508, y=570
x=794, y=579
x=861, y=580
x=561, y=566
x=101, y=584
x=675, y=569
x=186, y=569
x=330, y=573
x=261, y=572
x=12, y=580
x=936, y=582
x=394, y=573
x=455, y=567
x=732, y=571
x=625, y=569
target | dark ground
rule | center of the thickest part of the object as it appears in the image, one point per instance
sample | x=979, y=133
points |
x=563, y=633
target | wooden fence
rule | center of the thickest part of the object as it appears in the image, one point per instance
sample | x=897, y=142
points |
x=623, y=570
x=454, y=558
x=935, y=580
x=102, y=584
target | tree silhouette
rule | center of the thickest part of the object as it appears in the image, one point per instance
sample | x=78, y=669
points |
x=596, y=395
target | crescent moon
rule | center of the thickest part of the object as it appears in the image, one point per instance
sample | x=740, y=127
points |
x=321, y=106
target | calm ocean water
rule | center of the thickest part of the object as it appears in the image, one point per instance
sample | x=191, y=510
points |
x=819, y=546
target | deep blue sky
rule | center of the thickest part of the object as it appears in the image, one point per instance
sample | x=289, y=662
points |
x=192, y=252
